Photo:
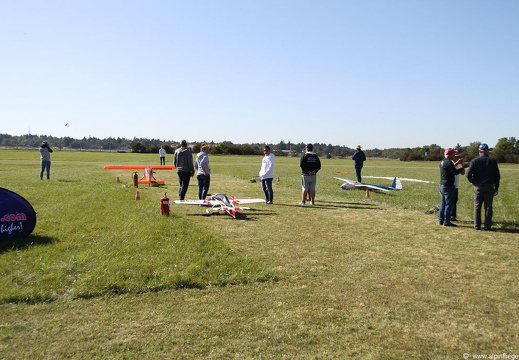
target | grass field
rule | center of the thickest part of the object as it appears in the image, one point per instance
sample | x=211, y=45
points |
x=106, y=276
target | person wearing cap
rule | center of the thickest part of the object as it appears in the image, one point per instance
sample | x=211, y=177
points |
x=359, y=157
x=448, y=171
x=310, y=165
x=45, y=151
x=484, y=174
x=183, y=161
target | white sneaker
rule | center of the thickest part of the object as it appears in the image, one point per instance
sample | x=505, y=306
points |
x=302, y=203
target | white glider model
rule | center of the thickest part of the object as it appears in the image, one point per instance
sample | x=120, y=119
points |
x=402, y=179
x=221, y=202
x=350, y=185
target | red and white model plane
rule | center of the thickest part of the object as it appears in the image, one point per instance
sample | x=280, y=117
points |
x=221, y=202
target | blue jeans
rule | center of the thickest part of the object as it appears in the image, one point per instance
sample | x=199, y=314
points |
x=203, y=185
x=183, y=179
x=45, y=165
x=358, y=171
x=446, y=205
x=266, y=185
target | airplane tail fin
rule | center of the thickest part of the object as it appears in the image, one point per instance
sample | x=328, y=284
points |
x=397, y=184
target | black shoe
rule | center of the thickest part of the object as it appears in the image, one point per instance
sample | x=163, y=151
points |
x=450, y=224
x=477, y=228
x=454, y=219
x=488, y=229
x=440, y=222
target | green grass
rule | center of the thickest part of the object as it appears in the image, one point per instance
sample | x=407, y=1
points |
x=105, y=276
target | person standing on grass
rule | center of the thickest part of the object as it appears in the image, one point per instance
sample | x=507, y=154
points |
x=458, y=159
x=266, y=174
x=162, y=155
x=45, y=151
x=310, y=165
x=183, y=161
x=448, y=171
x=359, y=157
x=484, y=174
x=203, y=173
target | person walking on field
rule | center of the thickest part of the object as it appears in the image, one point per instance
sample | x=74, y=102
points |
x=45, y=151
x=183, y=161
x=266, y=174
x=484, y=174
x=162, y=155
x=359, y=157
x=203, y=173
x=310, y=164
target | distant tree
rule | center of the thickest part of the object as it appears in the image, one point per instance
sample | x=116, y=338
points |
x=507, y=150
x=137, y=147
x=472, y=151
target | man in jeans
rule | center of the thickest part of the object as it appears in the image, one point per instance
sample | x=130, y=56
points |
x=448, y=171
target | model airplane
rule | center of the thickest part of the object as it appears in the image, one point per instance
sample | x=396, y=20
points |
x=350, y=185
x=147, y=177
x=402, y=179
x=221, y=202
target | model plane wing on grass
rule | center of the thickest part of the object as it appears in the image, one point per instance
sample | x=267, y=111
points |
x=221, y=202
x=350, y=185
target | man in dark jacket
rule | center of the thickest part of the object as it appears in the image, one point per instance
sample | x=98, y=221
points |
x=447, y=189
x=310, y=165
x=183, y=161
x=359, y=157
x=484, y=174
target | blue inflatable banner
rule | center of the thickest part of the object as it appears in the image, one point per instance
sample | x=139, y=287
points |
x=17, y=216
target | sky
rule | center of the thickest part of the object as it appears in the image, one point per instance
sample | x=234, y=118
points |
x=381, y=73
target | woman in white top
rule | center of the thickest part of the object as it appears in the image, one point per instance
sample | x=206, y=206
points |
x=203, y=174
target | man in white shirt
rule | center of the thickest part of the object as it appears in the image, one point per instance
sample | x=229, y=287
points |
x=266, y=174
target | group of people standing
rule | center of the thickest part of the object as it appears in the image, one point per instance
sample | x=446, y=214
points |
x=483, y=174
x=183, y=161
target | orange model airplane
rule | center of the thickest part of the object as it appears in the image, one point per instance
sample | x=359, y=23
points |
x=148, y=177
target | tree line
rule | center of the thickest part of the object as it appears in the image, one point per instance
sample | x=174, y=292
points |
x=505, y=151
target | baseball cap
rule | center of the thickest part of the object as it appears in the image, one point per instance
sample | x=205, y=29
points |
x=449, y=151
x=483, y=147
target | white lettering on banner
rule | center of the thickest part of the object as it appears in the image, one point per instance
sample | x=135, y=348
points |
x=11, y=228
